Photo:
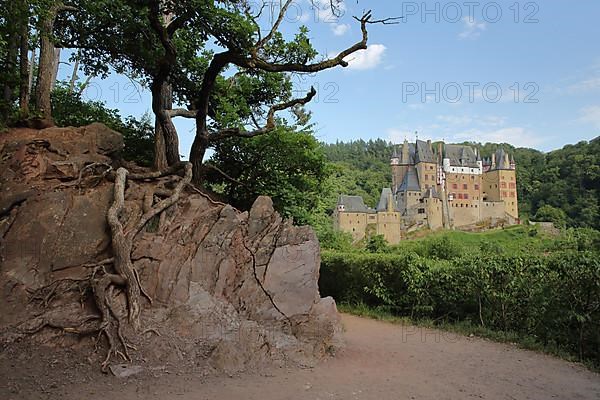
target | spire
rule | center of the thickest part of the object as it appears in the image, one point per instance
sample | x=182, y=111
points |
x=405, y=158
x=390, y=202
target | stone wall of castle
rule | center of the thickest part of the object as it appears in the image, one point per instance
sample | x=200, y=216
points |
x=460, y=190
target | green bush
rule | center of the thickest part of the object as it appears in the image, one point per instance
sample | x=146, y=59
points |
x=69, y=109
x=554, y=298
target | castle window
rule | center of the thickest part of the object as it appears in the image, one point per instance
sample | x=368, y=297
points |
x=512, y=194
x=466, y=196
x=503, y=185
x=426, y=177
x=476, y=186
x=465, y=186
x=460, y=196
x=454, y=186
x=421, y=211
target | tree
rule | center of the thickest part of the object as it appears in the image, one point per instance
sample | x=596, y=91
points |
x=163, y=41
x=555, y=215
x=69, y=109
x=286, y=164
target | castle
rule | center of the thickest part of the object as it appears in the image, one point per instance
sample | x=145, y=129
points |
x=449, y=187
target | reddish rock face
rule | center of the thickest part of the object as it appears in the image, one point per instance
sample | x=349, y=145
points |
x=233, y=288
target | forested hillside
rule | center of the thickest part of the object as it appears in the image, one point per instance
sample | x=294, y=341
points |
x=562, y=186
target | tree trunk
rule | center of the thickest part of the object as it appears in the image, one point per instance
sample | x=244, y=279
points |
x=31, y=69
x=74, y=76
x=166, y=143
x=10, y=65
x=160, y=150
x=55, y=64
x=46, y=67
x=24, y=71
x=197, y=156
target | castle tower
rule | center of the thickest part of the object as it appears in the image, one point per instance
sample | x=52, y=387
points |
x=500, y=182
x=400, y=164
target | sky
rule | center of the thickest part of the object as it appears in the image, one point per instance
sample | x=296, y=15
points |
x=525, y=73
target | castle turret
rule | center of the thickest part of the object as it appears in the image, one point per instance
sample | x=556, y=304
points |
x=405, y=160
x=400, y=167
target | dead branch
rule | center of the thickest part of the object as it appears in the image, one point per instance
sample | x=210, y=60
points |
x=269, y=125
x=223, y=173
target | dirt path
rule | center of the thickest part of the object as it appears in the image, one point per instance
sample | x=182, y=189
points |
x=382, y=361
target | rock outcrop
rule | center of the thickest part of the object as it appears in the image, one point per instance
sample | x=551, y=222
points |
x=230, y=289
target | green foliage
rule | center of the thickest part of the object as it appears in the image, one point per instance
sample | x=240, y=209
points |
x=69, y=109
x=286, y=164
x=547, y=213
x=554, y=299
x=377, y=244
x=567, y=179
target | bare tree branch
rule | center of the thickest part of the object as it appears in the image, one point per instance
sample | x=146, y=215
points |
x=254, y=61
x=275, y=26
x=182, y=112
x=270, y=124
x=220, y=171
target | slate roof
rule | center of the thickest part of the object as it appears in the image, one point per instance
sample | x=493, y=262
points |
x=460, y=155
x=501, y=159
x=424, y=153
x=410, y=181
x=383, y=199
x=411, y=154
x=432, y=192
x=353, y=204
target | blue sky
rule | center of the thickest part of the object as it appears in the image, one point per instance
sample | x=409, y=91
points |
x=526, y=73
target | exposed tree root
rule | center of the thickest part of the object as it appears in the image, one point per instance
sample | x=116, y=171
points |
x=110, y=323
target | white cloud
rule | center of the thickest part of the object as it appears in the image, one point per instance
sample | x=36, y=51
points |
x=517, y=136
x=455, y=120
x=591, y=115
x=585, y=85
x=472, y=29
x=323, y=12
x=462, y=120
x=366, y=59
x=340, y=29
x=397, y=135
